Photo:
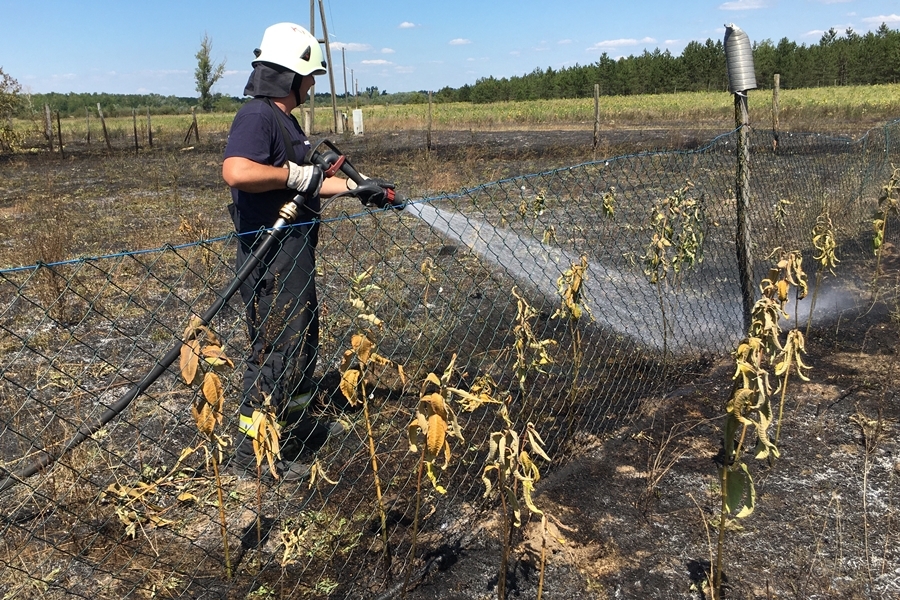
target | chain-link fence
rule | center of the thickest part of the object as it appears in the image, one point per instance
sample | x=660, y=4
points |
x=137, y=510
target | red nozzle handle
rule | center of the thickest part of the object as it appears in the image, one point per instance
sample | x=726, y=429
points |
x=330, y=171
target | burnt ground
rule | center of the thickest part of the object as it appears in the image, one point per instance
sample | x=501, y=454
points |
x=633, y=514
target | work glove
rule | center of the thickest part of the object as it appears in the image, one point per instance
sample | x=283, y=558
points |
x=375, y=192
x=306, y=179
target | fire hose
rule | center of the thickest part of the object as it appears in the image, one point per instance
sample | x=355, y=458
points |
x=330, y=160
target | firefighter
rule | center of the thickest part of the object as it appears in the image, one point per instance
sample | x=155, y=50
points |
x=264, y=166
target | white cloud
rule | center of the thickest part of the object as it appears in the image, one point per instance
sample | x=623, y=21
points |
x=563, y=42
x=743, y=5
x=877, y=21
x=620, y=43
x=377, y=61
x=460, y=42
x=404, y=70
x=351, y=47
x=671, y=42
x=407, y=25
x=388, y=51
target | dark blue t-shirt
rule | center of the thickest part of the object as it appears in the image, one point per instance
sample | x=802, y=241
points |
x=256, y=135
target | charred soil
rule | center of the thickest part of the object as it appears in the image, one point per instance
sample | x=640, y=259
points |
x=631, y=513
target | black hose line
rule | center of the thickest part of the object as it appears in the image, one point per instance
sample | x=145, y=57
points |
x=275, y=234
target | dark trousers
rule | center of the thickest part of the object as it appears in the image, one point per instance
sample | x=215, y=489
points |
x=282, y=321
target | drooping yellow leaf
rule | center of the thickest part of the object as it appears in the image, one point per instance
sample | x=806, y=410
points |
x=214, y=392
x=436, y=404
x=215, y=356
x=536, y=442
x=203, y=417
x=190, y=358
x=193, y=328
x=377, y=359
x=266, y=444
x=350, y=385
x=436, y=435
x=371, y=318
x=347, y=360
x=488, y=485
x=527, y=490
x=429, y=469
x=318, y=472
x=363, y=347
x=412, y=435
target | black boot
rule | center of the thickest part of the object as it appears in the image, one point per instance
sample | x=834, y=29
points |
x=243, y=464
x=306, y=435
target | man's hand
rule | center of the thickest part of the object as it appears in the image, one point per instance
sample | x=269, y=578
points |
x=306, y=179
x=384, y=183
x=372, y=194
x=375, y=191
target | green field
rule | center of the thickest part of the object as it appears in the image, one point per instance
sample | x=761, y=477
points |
x=832, y=109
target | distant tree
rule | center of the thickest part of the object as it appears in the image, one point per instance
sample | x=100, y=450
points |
x=207, y=74
x=9, y=101
x=764, y=61
x=9, y=93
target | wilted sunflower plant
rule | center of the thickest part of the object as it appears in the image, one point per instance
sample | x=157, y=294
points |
x=511, y=459
x=201, y=345
x=356, y=365
x=749, y=408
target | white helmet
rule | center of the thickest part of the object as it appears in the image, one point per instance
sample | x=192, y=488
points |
x=292, y=47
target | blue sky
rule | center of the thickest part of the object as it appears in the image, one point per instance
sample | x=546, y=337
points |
x=397, y=45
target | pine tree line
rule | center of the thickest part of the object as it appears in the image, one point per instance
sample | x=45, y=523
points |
x=848, y=59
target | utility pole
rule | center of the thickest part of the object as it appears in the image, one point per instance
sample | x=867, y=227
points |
x=338, y=123
x=344, y=61
x=312, y=91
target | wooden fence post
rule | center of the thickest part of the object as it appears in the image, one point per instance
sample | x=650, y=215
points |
x=105, y=132
x=196, y=127
x=59, y=135
x=775, y=90
x=430, y=124
x=48, y=127
x=87, y=113
x=742, y=198
x=596, y=116
x=193, y=128
x=134, y=125
x=149, y=129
